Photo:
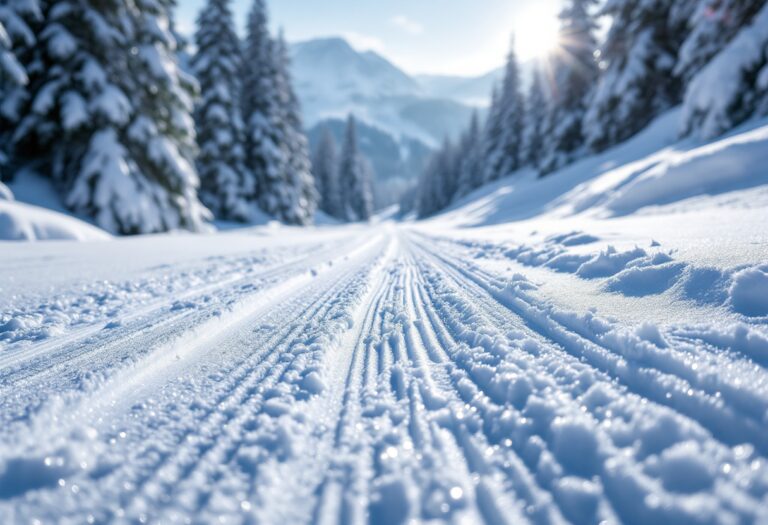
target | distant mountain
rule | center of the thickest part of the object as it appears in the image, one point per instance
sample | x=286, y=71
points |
x=472, y=91
x=402, y=118
x=330, y=70
x=333, y=79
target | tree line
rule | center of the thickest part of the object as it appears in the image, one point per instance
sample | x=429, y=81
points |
x=710, y=56
x=93, y=97
x=344, y=181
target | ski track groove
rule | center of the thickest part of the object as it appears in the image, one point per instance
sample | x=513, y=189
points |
x=65, y=361
x=399, y=381
x=688, y=398
x=731, y=365
x=464, y=281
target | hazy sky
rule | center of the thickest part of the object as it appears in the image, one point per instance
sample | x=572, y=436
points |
x=464, y=37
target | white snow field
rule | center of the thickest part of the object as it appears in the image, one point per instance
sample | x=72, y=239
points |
x=592, y=349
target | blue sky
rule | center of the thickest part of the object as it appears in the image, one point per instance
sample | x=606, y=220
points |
x=464, y=37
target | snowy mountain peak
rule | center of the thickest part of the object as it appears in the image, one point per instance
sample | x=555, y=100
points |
x=333, y=70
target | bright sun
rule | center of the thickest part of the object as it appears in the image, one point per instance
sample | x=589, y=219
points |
x=536, y=35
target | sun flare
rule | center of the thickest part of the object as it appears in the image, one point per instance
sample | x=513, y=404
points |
x=536, y=34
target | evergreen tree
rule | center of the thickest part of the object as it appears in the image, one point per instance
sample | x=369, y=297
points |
x=225, y=186
x=12, y=76
x=639, y=80
x=492, y=134
x=712, y=25
x=363, y=201
x=470, y=159
x=260, y=101
x=426, y=203
x=16, y=38
x=113, y=128
x=574, y=73
x=276, y=148
x=505, y=154
x=18, y=24
x=439, y=185
x=733, y=86
x=537, y=109
x=355, y=178
x=325, y=166
x=10, y=69
x=299, y=193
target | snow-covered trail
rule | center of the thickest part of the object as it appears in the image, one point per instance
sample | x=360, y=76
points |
x=377, y=375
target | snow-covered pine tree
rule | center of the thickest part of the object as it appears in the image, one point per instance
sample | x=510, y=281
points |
x=113, y=128
x=225, y=186
x=440, y=182
x=17, y=40
x=713, y=24
x=325, y=166
x=428, y=201
x=492, y=133
x=537, y=109
x=506, y=153
x=356, y=186
x=12, y=76
x=299, y=193
x=638, y=82
x=265, y=158
x=733, y=86
x=450, y=170
x=363, y=201
x=11, y=72
x=574, y=73
x=470, y=159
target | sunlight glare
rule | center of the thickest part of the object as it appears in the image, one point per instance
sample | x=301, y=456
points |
x=536, y=34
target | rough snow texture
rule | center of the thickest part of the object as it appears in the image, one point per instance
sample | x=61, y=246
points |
x=381, y=376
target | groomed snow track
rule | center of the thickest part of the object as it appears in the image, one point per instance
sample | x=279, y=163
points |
x=384, y=379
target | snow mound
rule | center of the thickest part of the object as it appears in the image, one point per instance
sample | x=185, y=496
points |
x=749, y=291
x=22, y=222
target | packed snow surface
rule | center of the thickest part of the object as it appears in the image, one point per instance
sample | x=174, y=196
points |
x=585, y=364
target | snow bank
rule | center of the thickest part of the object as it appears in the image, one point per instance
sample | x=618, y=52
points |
x=22, y=222
x=729, y=164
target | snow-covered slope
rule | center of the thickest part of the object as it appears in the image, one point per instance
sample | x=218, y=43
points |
x=650, y=171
